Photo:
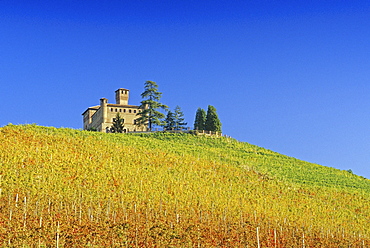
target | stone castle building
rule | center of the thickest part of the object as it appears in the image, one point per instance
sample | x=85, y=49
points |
x=100, y=118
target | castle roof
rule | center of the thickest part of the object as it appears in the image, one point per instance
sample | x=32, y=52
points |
x=120, y=105
x=91, y=108
x=110, y=105
x=122, y=89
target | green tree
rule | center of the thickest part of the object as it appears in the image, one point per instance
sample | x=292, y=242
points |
x=117, y=126
x=212, y=122
x=150, y=115
x=200, y=119
x=170, y=121
x=179, y=118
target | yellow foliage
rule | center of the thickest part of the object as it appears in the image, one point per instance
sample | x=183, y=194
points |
x=75, y=188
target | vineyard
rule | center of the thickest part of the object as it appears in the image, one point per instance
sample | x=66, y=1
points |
x=71, y=188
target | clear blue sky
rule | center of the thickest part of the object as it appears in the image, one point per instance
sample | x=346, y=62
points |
x=290, y=76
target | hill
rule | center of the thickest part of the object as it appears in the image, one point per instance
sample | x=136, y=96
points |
x=64, y=187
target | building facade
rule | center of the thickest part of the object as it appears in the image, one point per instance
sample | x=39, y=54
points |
x=100, y=118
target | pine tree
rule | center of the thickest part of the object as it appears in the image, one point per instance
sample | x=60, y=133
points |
x=212, y=122
x=150, y=115
x=170, y=121
x=117, y=126
x=179, y=118
x=200, y=119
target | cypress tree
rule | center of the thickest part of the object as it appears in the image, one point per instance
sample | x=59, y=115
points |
x=212, y=122
x=200, y=119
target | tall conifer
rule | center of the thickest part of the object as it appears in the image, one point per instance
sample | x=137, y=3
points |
x=179, y=118
x=150, y=105
x=212, y=122
x=200, y=119
x=170, y=121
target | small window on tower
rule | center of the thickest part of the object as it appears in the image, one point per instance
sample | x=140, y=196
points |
x=116, y=110
x=111, y=110
x=135, y=111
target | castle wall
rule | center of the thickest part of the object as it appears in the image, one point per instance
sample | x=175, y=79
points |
x=97, y=120
x=128, y=113
x=87, y=115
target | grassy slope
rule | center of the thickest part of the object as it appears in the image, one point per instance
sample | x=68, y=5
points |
x=188, y=180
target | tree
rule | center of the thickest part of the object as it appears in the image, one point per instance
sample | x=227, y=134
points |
x=212, y=122
x=117, y=126
x=150, y=105
x=200, y=119
x=179, y=118
x=170, y=121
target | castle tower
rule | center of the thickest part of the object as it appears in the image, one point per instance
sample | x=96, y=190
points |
x=122, y=96
x=103, y=109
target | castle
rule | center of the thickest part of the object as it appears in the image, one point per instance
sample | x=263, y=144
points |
x=101, y=117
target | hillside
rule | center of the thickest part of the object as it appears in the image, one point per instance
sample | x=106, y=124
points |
x=64, y=187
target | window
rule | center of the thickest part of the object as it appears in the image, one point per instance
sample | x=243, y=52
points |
x=120, y=110
x=129, y=111
x=116, y=110
x=135, y=111
x=111, y=110
x=124, y=110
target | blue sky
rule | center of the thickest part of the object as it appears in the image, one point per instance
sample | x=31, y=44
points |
x=290, y=76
